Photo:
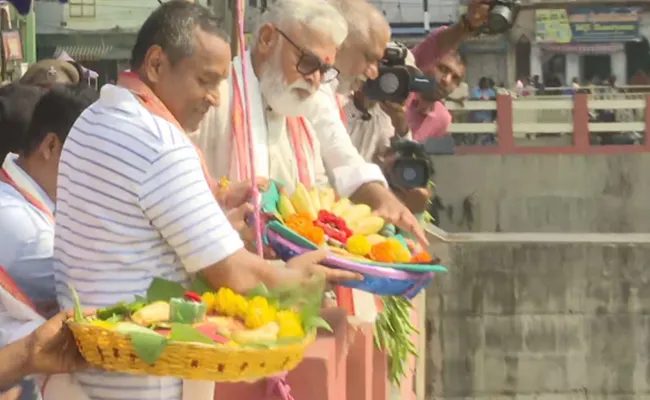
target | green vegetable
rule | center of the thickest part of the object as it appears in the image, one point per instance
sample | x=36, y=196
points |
x=120, y=309
x=393, y=331
x=78, y=314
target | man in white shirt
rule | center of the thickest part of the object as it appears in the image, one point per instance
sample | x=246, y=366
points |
x=133, y=201
x=292, y=53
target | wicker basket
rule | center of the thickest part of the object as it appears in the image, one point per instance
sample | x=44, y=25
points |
x=112, y=351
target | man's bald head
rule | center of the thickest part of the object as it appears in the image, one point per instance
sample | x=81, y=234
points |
x=368, y=35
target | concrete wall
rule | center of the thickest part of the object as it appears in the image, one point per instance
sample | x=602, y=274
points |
x=540, y=316
x=549, y=193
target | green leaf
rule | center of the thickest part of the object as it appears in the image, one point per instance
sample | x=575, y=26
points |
x=148, y=345
x=164, y=290
x=200, y=285
x=187, y=333
x=78, y=313
x=260, y=290
x=315, y=323
x=140, y=299
x=260, y=345
x=114, y=319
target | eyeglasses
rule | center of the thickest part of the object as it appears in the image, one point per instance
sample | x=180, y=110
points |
x=310, y=63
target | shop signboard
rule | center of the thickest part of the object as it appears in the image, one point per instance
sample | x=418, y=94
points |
x=587, y=25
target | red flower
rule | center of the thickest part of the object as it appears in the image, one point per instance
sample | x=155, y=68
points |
x=334, y=226
x=193, y=296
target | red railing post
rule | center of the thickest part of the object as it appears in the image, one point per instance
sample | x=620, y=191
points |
x=581, y=121
x=505, y=131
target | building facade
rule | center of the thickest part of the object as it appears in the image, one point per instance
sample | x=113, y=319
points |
x=587, y=41
x=98, y=33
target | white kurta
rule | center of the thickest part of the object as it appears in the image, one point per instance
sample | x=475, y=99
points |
x=333, y=151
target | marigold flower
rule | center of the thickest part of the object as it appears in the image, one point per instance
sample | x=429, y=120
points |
x=400, y=252
x=358, y=245
x=382, y=252
x=209, y=299
x=102, y=324
x=230, y=303
x=290, y=324
x=316, y=235
x=421, y=258
x=260, y=313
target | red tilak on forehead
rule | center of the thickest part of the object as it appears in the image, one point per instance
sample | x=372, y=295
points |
x=328, y=59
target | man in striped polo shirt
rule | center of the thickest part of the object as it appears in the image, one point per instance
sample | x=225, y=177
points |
x=133, y=202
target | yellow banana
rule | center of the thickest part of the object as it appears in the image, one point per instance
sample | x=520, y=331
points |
x=315, y=199
x=355, y=213
x=285, y=208
x=340, y=206
x=375, y=238
x=327, y=198
x=301, y=201
x=367, y=226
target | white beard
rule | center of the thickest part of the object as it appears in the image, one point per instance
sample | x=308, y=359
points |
x=282, y=98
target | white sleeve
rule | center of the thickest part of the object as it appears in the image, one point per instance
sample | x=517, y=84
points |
x=17, y=320
x=199, y=232
x=342, y=160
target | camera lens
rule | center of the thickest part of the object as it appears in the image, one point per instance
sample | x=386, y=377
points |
x=499, y=19
x=409, y=174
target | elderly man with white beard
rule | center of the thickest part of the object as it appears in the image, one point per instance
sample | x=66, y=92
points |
x=292, y=53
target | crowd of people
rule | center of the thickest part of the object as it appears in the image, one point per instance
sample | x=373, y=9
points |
x=105, y=191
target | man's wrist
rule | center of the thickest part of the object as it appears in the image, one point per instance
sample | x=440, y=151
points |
x=15, y=363
x=466, y=27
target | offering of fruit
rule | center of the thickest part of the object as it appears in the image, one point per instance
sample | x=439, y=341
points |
x=350, y=230
x=169, y=312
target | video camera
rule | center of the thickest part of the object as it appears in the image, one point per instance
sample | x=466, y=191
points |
x=413, y=167
x=502, y=17
x=396, y=80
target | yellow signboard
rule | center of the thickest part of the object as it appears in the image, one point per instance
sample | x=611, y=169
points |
x=552, y=26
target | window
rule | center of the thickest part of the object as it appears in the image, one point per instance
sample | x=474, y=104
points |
x=82, y=8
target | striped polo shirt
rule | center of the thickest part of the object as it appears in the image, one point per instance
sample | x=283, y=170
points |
x=132, y=204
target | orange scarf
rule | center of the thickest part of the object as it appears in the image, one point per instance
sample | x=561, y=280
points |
x=151, y=102
x=297, y=128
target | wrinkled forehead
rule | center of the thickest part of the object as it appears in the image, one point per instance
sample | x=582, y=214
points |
x=313, y=40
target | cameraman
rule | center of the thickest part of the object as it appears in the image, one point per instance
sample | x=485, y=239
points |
x=371, y=125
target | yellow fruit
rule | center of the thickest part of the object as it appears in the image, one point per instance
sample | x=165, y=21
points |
x=367, y=226
x=375, y=238
x=266, y=333
x=340, y=206
x=152, y=313
x=355, y=213
x=285, y=208
x=400, y=252
x=315, y=199
x=290, y=325
x=209, y=299
x=301, y=201
x=327, y=198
